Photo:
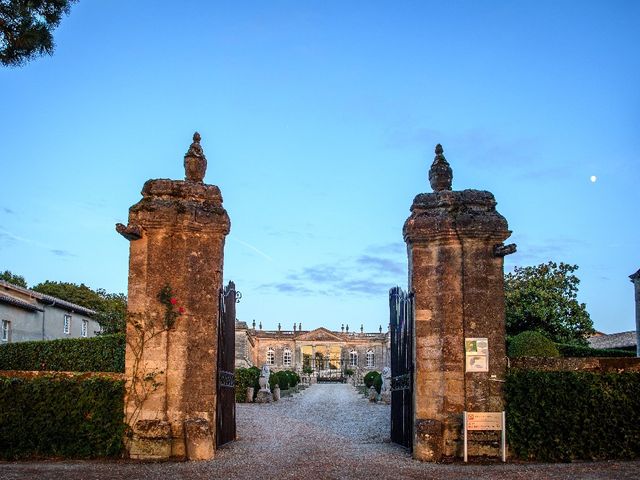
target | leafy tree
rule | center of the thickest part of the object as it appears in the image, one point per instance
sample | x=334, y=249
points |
x=543, y=298
x=111, y=307
x=18, y=280
x=26, y=28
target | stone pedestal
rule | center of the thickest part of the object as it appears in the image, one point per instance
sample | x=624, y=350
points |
x=249, y=397
x=264, y=396
x=373, y=394
x=454, y=243
x=177, y=233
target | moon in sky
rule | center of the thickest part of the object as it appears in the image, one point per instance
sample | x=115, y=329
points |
x=593, y=179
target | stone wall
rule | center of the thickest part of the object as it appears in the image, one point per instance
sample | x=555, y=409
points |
x=591, y=364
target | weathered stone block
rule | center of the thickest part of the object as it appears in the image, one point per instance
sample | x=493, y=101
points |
x=150, y=440
x=428, y=439
x=199, y=439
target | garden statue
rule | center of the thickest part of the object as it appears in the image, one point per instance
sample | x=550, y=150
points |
x=264, y=394
x=386, y=379
x=385, y=392
x=264, y=378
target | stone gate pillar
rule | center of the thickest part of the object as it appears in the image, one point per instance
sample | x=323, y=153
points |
x=454, y=244
x=176, y=233
x=635, y=279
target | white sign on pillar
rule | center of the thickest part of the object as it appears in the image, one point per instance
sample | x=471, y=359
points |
x=476, y=354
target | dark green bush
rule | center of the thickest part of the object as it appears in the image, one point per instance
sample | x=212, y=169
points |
x=373, y=378
x=245, y=378
x=564, y=416
x=294, y=378
x=532, y=344
x=283, y=380
x=68, y=417
x=567, y=350
x=104, y=353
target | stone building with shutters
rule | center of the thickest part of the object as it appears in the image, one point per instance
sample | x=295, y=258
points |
x=324, y=352
x=29, y=315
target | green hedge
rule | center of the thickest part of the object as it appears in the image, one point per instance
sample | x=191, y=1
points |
x=104, y=353
x=531, y=344
x=245, y=378
x=285, y=379
x=68, y=417
x=567, y=350
x=373, y=378
x=564, y=416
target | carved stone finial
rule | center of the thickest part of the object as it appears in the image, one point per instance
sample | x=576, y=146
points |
x=195, y=163
x=440, y=173
x=130, y=232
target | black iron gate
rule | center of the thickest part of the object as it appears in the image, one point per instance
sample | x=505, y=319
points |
x=401, y=326
x=226, y=411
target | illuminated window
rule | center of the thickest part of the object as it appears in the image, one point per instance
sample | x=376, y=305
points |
x=271, y=357
x=370, y=359
x=286, y=358
x=353, y=358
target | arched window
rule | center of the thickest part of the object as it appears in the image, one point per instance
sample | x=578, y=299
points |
x=370, y=359
x=286, y=357
x=271, y=356
x=353, y=358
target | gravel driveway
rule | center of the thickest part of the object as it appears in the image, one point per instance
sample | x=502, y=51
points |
x=326, y=432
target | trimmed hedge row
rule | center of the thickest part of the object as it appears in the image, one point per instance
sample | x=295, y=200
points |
x=284, y=379
x=567, y=350
x=61, y=417
x=564, y=416
x=249, y=377
x=104, y=353
x=535, y=344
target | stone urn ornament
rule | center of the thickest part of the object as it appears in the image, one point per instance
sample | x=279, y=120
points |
x=276, y=393
x=195, y=163
x=440, y=173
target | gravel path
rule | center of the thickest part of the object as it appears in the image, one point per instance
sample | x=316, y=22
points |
x=326, y=432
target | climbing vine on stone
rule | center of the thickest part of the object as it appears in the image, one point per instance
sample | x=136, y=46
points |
x=143, y=381
x=170, y=302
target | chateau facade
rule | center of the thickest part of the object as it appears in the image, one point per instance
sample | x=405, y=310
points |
x=321, y=351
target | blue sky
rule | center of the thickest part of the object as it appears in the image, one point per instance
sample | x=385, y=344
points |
x=319, y=121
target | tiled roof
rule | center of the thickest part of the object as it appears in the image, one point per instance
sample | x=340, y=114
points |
x=614, y=340
x=45, y=299
x=16, y=302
